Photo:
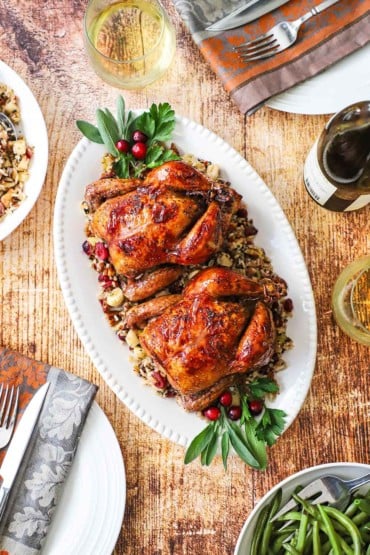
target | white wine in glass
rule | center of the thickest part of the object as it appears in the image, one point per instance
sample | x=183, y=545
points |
x=131, y=43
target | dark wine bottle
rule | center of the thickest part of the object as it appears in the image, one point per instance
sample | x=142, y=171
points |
x=337, y=169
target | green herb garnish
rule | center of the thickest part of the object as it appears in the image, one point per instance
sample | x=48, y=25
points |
x=248, y=436
x=157, y=125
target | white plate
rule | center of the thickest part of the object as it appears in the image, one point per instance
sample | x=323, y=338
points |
x=34, y=130
x=89, y=515
x=340, y=85
x=79, y=282
x=346, y=471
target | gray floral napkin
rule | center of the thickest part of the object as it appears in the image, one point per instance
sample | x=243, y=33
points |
x=48, y=459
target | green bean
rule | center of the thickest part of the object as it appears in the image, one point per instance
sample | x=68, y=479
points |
x=302, y=532
x=316, y=543
x=278, y=544
x=346, y=548
x=291, y=549
x=290, y=529
x=307, y=550
x=360, y=518
x=310, y=509
x=313, y=529
x=273, y=508
x=326, y=548
x=349, y=524
x=292, y=515
x=363, y=505
x=332, y=535
x=351, y=510
x=365, y=532
x=259, y=529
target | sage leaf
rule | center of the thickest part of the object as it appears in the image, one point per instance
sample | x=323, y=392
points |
x=105, y=133
x=255, y=445
x=211, y=449
x=121, y=116
x=240, y=446
x=225, y=447
x=89, y=131
x=112, y=125
x=199, y=443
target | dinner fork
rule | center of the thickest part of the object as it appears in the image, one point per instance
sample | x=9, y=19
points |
x=9, y=398
x=280, y=37
x=328, y=489
x=7, y=124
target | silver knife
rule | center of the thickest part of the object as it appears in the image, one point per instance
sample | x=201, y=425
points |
x=19, y=443
x=249, y=11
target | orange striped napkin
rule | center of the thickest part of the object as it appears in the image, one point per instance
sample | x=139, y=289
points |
x=323, y=40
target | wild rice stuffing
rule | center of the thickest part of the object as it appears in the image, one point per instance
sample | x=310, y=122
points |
x=15, y=155
x=239, y=253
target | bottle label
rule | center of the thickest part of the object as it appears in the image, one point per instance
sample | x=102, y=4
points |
x=323, y=191
x=318, y=186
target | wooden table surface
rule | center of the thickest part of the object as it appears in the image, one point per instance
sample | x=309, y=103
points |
x=172, y=508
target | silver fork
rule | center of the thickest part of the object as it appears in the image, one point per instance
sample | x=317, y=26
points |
x=280, y=37
x=9, y=398
x=7, y=124
x=328, y=489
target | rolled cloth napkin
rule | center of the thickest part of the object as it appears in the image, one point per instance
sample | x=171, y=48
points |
x=323, y=40
x=48, y=459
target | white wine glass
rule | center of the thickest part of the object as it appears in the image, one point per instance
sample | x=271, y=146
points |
x=130, y=43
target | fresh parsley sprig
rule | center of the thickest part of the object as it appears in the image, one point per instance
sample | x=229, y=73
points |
x=249, y=436
x=157, y=124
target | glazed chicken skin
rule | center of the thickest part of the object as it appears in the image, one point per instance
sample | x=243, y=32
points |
x=204, y=339
x=175, y=217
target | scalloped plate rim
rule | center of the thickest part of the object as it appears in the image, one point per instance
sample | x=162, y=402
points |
x=64, y=274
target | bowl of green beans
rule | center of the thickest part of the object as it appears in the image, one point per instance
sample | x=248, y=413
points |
x=311, y=529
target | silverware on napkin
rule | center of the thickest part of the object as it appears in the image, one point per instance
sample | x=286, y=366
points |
x=19, y=443
x=249, y=11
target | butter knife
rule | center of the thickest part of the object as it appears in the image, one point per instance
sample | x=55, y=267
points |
x=249, y=11
x=19, y=443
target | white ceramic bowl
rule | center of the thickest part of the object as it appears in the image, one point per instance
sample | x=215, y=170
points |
x=347, y=471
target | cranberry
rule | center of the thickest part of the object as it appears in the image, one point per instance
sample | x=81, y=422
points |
x=235, y=412
x=159, y=380
x=255, y=406
x=226, y=399
x=139, y=150
x=242, y=213
x=288, y=305
x=101, y=251
x=123, y=145
x=107, y=284
x=139, y=137
x=212, y=413
x=88, y=248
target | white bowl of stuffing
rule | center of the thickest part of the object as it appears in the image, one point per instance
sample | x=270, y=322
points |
x=24, y=154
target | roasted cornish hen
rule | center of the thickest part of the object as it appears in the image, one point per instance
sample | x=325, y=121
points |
x=219, y=328
x=175, y=217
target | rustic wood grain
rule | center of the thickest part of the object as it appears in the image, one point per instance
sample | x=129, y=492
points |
x=172, y=509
